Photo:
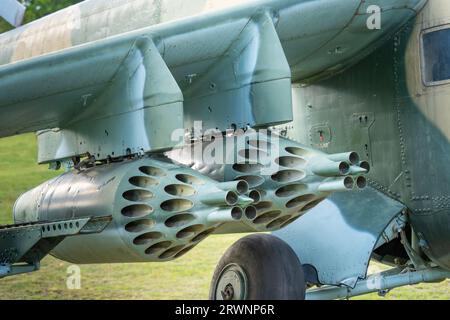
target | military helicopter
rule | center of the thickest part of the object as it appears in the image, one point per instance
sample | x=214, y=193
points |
x=318, y=125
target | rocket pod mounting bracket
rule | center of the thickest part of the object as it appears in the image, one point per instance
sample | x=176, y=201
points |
x=23, y=246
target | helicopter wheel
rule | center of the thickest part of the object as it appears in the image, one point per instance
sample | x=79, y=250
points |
x=259, y=267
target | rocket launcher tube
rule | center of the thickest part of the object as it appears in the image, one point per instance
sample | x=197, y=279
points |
x=349, y=157
x=251, y=212
x=327, y=168
x=226, y=215
x=244, y=201
x=223, y=198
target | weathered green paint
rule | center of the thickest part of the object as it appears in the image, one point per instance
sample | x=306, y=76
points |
x=381, y=108
x=356, y=224
x=160, y=210
x=201, y=63
x=77, y=65
x=291, y=178
x=136, y=112
x=163, y=210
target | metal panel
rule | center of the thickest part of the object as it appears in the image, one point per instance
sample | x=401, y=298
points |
x=137, y=112
x=381, y=283
x=250, y=85
x=186, y=44
x=339, y=236
x=23, y=246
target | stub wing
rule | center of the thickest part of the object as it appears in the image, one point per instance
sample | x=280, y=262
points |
x=129, y=93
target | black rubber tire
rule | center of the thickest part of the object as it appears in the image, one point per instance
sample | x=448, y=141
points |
x=273, y=270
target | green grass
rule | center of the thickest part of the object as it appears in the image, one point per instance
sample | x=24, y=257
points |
x=19, y=171
x=187, y=278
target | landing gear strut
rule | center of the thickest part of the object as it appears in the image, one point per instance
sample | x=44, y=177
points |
x=259, y=267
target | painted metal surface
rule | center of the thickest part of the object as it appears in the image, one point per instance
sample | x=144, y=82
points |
x=23, y=246
x=250, y=85
x=12, y=11
x=338, y=236
x=423, y=115
x=291, y=178
x=382, y=109
x=190, y=48
x=100, y=71
x=381, y=283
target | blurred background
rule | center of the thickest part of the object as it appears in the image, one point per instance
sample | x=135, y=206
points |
x=187, y=278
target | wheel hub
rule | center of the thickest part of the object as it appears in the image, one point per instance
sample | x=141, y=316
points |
x=232, y=284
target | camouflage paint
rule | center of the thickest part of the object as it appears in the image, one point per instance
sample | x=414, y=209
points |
x=94, y=20
x=305, y=42
x=192, y=52
x=377, y=106
x=382, y=109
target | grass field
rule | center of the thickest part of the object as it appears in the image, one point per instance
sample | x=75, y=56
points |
x=187, y=278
